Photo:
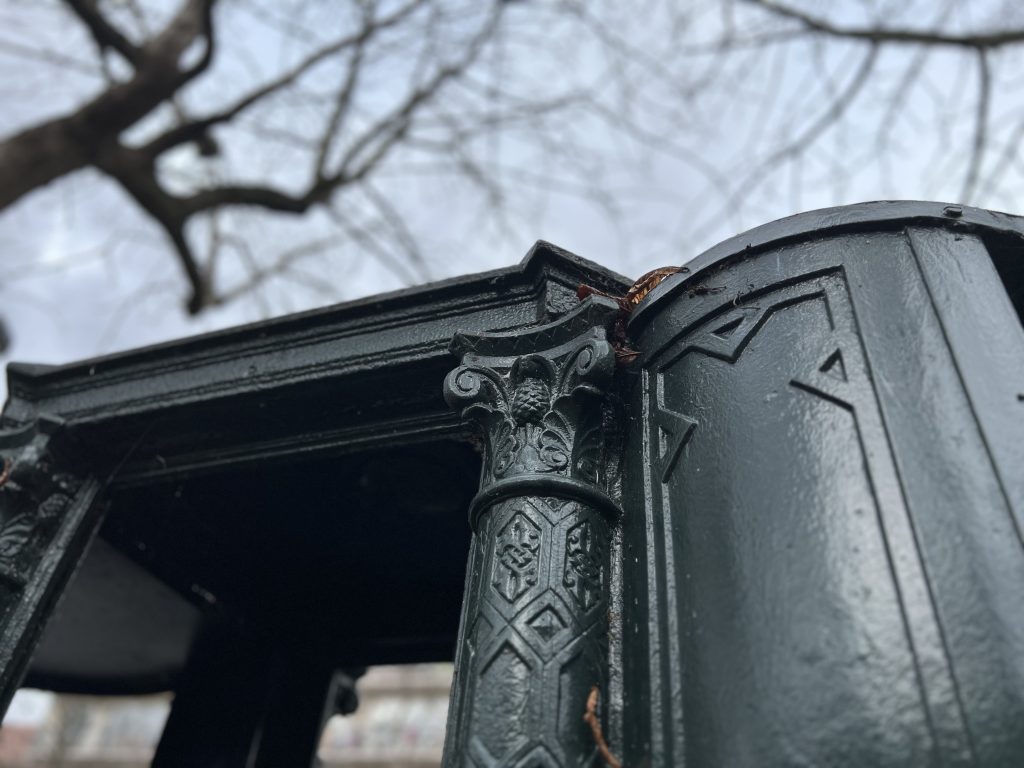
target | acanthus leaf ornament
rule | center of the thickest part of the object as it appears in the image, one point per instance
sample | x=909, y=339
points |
x=539, y=411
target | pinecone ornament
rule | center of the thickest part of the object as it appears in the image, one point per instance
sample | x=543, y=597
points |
x=530, y=402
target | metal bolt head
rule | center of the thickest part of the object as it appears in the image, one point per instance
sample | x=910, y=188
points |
x=953, y=211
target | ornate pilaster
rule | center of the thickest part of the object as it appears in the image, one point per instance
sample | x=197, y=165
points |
x=534, y=634
x=47, y=517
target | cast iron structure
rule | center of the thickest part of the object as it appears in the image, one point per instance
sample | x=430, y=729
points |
x=282, y=501
x=47, y=517
x=535, y=616
x=826, y=495
x=786, y=528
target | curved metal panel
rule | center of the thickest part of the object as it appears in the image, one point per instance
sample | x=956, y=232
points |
x=822, y=529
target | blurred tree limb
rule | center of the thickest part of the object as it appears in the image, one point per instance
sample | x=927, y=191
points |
x=434, y=82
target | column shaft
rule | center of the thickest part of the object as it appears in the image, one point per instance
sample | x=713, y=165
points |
x=534, y=636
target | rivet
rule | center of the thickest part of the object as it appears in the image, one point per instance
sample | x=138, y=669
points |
x=953, y=211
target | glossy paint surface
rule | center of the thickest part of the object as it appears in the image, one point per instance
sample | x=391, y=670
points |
x=823, y=554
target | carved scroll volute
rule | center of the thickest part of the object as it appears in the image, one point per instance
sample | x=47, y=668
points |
x=33, y=497
x=540, y=410
x=533, y=638
x=47, y=518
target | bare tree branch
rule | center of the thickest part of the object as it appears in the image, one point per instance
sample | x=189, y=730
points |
x=980, y=127
x=981, y=40
x=342, y=103
x=106, y=35
x=57, y=58
x=733, y=103
x=192, y=130
x=363, y=155
x=38, y=155
x=839, y=104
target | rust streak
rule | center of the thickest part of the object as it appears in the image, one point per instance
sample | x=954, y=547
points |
x=591, y=719
x=646, y=283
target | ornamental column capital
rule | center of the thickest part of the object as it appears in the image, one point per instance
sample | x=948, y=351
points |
x=537, y=397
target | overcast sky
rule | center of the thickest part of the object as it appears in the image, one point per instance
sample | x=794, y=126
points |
x=86, y=274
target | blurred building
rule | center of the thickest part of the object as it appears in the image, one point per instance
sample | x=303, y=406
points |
x=399, y=724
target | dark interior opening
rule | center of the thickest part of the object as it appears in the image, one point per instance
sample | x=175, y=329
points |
x=359, y=557
x=1007, y=252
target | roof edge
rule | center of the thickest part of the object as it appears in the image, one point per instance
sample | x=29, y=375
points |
x=542, y=261
x=824, y=222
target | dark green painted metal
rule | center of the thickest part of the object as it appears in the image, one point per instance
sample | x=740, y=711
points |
x=256, y=472
x=819, y=560
x=304, y=423
x=824, y=498
x=349, y=378
x=47, y=518
x=534, y=632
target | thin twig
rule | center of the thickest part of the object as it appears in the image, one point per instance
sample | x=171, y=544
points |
x=980, y=129
x=981, y=41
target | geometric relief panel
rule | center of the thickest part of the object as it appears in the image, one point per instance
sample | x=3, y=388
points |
x=548, y=623
x=546, y=552
x=516, y=557
x=585, y=557
x=547, y=627
x=673, y=432
x=794, y=499
x=573, y=733
x=545, y=613
x=478, y=633
x=502, y=700
x=724, y=338
x=538, y=758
